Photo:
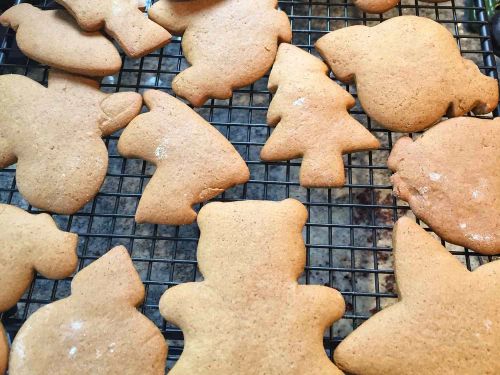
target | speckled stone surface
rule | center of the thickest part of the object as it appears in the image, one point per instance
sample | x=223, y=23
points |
x=348, y=234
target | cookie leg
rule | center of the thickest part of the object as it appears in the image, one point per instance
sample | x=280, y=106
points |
x=322, y=169
x=198, y=86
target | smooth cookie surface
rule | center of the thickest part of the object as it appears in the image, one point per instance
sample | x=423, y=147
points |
x=450, y=176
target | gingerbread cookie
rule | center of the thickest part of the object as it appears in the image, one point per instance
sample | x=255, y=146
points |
x=230, y=44
x=450, y=176
x=408, y=72
x=122, y=20
x=309, y=111
x=52, y=37
x=54, y=135
x=447, y=320
x=194, y=161
x=249, y=308
x=96, y=330
x=375, y=6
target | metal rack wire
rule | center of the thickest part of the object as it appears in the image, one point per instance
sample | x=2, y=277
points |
x=348, y=234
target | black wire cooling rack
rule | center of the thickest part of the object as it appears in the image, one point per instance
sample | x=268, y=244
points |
x=348, y=234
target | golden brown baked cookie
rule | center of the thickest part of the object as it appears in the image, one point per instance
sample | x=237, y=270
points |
x=408, y=72
x=52, y=37
x=230, y=44
x=31, y=243
x=194, y=161
x=450, y=176
x=447, y=320
x=97, y=330
x=309, y=111
x=249, y=315
x=4, y=351
x=376, y=6
x=122, y=20
x=54, y=135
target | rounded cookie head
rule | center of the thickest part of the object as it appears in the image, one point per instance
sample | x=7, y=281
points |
x=408, y=72
x=96, y=330
x=31, y=243
x=450, y=176
x=38, y=36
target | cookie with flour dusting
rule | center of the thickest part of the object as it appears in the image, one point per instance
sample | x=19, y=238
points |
x=446, y=321
x=229, y=43
x=29, y=243
x=195, y=162
x=450, y=176
x=54, y=134
x=52, y=37
x=96, y=330
x=408, y=72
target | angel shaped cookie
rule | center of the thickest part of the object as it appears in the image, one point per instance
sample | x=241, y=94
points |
x=52, y=37
x=54, y=135
x=450, y=176
x=122, y=20
x=309, y=111
x=447, y=320
x=230, y=43
x=249, y=315
x=408, y=72
x=97, y=330
x=29, y=243
x=195, y=162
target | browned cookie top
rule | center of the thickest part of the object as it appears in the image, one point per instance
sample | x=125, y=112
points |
x=450, y=176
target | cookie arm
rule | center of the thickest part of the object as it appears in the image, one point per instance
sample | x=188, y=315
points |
x=180, y=304
x=119, y=109
x=284, y=28
x=175, y=15
x=7, y=156
x=13, y=16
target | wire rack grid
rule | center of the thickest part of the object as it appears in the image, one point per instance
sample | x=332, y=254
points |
x=348, y=233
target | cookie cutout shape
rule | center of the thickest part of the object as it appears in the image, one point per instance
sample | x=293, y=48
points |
x=447, y=320
x=450, y=176
x=249, y=315
x=55, y=133
x=31, y=243
x=229, y=44
x=97, y=330
x=375, y=6
x=408, y=72
x=309, y=111
x=122, y=20
x=194, y=161
x=52, y=37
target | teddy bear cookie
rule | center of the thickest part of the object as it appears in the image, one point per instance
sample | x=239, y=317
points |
x=54, y=135
x=97, y=330
x=122, y=20
x=195, y=162
x=310, y=112
x=29, y=243
x=450, y=176
x=249, y=315
x=52, y=37
x=408, y=72
x=229, y=44
x=447, y=320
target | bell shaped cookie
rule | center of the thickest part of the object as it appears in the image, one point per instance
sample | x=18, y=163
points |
x=54, y=135
x=96, y=330
x=195, y=162
x=447, y=320
x=408, y=72
x=122, y=20
x=52, y=37
x=309, y=111
x=450, y=176
x=230, y=44
x=249, y=316
x=29, y=243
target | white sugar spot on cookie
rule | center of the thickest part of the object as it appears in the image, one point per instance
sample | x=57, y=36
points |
x=462, y=225
x=488, y=324
x=424, y=190
x=434, y=176
x=77, y=325
x=299, y=102
x=19, y=349
x=98, y=354
x=479, y=237
x=111, y=347
x=72, y=351
x=475, y=194
x=161, y=152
